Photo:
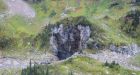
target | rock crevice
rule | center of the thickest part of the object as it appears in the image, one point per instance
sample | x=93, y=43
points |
x=66, y=40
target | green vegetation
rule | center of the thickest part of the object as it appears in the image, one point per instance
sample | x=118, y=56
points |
x=112, y=65
x=131, y=24
x=10, y=71
x=17, y=30
x=104, y=17
x=135, y=60
x=78, y=65
x=97, y=12
x=19, y=35
x=42, y=38
x=73, y=66
x=2, y=6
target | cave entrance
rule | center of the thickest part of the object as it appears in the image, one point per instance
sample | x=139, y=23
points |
x=66, y=39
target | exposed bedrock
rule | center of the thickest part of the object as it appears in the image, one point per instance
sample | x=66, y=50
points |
x=66, y=40
x=132, y=49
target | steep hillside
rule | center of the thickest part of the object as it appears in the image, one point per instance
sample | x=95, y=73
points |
x=106, y=14
x=65, y=27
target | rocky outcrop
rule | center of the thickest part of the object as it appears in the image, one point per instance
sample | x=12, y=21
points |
x=132, y=49
x=135, y=2
x=66, y=40
x=20, y=7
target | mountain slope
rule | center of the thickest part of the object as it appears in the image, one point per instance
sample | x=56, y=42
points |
x=113, y=22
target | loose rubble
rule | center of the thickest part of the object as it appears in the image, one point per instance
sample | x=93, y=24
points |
x=11, y=62
x=109, y=56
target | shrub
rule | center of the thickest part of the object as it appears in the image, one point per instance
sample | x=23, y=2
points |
x=131, y=23
x=106, y=64
x=5, y=42
x=35, y=70
x=52, y=14
x=113, y=64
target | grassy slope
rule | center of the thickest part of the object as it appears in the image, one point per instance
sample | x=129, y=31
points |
x=78, y=66
x=82, y=66
x=10, y=71
x=19, y=28
x=135, y=60
x=95, y=11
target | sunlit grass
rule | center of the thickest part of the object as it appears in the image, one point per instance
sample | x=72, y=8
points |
x=95, y=11
x=10, y=71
